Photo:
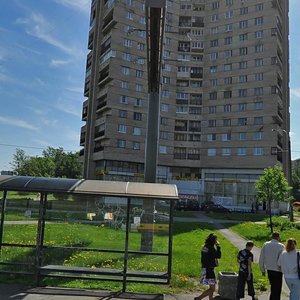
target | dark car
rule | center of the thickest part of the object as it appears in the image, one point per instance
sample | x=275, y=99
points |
x=218, y=208
x=187, y=204
x=206, y=204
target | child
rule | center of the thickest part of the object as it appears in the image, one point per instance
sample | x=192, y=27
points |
x=245, y=259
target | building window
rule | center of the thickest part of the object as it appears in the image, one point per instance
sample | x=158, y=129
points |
x=243, y=37
x=166, y=80
x=211, y=152
x=214, y=17
x=228, y=40
x=136, y=131
x=124, y=84
x=136, y=146
x=213, y=96
x=122, y=128
x=212, y=109
x=214, y=43
x=165, y=107
x=258, y=34
x=211, y=137
x=124, y=99
x=125, y=71
x=122, y=113
x=137, y=116
x=259, y=21
x=121, y=143
x=259, y=48
x=228, y=27
x=242, y=106
x=213, y=69
x=243, y=78
x=163, y=121
x=226, y=151
x=163, y=135
x=163, y=149
x=258, y=151
x=227, y=94
x=227, y=108
x=259, y=62
x=141, y=46
x=258, y=120
x=244, y=10
x=241, y=151
x=243, y=51
x=259, y=105
x=243, y=64
x=213, y=55
x=212, y=123
x=227, y=67
x=166, y=93
x=226, y=137
x=229, y=14
x=139, y=73
x=243, y=92
x=227, y=122
x=127, y=56
x=228, y=2
x=138, y=87
x=215, y=5
x=242, y=136
x=129, y=15
x=242, y=121
x=243, y=24
x=213, y=82
x=138, y=102
x=259, y=76
x=258, y=91
x=258, y=136
x=259, y=7
x=228, y=53
x=214, y=30
x=127, y=43
x=228, y=80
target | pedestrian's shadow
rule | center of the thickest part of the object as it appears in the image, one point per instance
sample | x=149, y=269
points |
x=217, y=298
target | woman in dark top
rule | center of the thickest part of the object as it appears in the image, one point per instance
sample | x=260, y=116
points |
x=209, y=255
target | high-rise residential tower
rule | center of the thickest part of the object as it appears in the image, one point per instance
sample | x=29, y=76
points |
x=224, y=107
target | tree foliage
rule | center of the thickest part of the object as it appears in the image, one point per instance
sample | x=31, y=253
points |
x=273, y=186
x=296, y=174
x=53, y=163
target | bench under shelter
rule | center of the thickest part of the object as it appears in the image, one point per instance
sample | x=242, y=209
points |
x=86, y=229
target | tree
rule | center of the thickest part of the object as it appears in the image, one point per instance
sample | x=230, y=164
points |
x=19, y=160
x=53, y=163
x=273, y=186
x=296, y=177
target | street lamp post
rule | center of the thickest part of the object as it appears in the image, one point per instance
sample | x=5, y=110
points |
x=289, y=169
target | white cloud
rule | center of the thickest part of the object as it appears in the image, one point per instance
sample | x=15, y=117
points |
x=295, y=92
x=38, y=27
x=17, y=123
x=57, y=62
x=81, y=5
x=68, y=107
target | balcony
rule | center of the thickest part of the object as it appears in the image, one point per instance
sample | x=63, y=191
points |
x=99, y=134
x=98, y=148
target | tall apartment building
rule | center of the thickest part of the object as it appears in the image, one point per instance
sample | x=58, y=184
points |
x=224, y=112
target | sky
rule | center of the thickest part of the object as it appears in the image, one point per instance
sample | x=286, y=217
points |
x=43, y=48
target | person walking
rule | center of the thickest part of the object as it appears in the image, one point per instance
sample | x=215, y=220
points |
x=268, y=258
x=245, y=259
x=210, y=254
x=287, y=261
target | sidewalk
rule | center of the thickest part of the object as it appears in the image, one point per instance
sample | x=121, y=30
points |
x=18, y=292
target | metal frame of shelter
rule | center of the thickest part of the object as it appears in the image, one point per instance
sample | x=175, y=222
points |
x=127, y=190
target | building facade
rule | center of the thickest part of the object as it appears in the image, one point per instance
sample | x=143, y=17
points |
x=224, y=107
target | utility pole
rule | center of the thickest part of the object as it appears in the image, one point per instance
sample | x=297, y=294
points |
x=155, y=23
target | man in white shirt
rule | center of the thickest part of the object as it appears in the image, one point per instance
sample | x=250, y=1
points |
x=269, y=255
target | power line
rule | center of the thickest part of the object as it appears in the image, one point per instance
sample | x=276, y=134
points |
x=32, y=147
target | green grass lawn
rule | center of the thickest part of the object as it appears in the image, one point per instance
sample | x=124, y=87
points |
x=187, y=242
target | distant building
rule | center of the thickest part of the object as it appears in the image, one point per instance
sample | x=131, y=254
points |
x=8, y=173
x=224, y=96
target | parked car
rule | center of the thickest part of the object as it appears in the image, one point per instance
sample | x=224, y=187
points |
x=206, y=204
x=218, y=208
x=184, y=204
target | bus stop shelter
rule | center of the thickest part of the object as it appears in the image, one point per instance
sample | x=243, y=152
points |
x=86, y=229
